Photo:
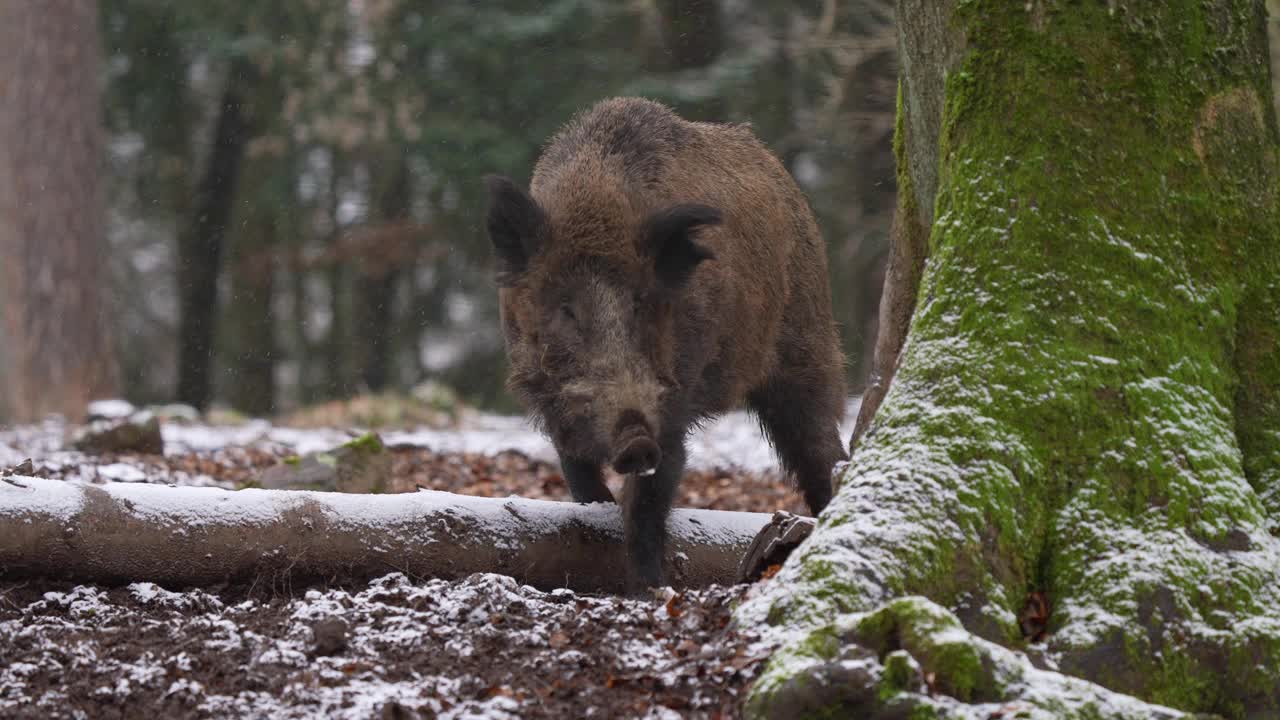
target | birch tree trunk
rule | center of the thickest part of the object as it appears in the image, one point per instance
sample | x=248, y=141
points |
x=1078, y=455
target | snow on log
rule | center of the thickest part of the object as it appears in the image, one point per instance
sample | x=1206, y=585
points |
x=187, y=536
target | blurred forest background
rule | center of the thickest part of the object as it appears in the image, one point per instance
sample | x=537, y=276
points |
x=290, y=193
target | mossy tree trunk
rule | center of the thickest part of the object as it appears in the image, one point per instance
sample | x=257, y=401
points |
x=1082, y=434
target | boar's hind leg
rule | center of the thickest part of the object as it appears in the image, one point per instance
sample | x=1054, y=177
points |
x=646, y=504
x=801, y=415
x=586, y=482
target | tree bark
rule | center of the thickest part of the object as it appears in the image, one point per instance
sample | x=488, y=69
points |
x=340, y=369
x=261, y=218
x=1079, y=454
x=379, y=273
x=123, y=532
x=56, y=346
x=929, y=48
x=200, y=242
x=693, y=38
x=692, y=32
x=251, y=340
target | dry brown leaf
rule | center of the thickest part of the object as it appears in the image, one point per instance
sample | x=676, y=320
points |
x=673, y=605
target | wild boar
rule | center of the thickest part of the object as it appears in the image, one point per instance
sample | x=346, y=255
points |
x=657, y=273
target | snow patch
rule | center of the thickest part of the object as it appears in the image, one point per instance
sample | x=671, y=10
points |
x=121, y=472
x=112, y=409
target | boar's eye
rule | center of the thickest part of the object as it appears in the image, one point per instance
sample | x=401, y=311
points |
x=566, y=312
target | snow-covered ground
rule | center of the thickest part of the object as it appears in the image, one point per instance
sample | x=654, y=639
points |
x=733, y=440
x=484, y=647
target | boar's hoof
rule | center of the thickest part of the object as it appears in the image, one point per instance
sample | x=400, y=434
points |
x=640, y=455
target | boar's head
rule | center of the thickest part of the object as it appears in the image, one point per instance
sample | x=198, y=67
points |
x=589, y=298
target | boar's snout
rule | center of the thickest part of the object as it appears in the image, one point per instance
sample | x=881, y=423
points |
x=640, y=456
x=634, y=448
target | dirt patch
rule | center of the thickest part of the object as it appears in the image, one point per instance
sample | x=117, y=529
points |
x=514, y=473
x=484, y=646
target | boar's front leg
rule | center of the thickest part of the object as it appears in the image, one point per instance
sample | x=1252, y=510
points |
x=586, y=481
x=645, y=506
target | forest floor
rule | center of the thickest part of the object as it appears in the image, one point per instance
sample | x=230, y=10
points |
x=397, y=647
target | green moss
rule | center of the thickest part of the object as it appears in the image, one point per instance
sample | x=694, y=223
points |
x=816, y=646
x=929, y=667
x=924, y=711
x=366, y=443
x=822, y=643
x=1180, y=685
x=293, y=460
x=901, y=674
x=935, y=639
x=1016, y=140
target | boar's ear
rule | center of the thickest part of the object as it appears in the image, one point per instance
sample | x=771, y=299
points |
x=671, y=238
x=516, y=226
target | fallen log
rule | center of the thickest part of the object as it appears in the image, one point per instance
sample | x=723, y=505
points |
x=186, y=536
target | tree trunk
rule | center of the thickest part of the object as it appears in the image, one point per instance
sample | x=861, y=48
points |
x=340, y=369
x=692, y=32
x=261, y=218
x=693, y=38
x=379, y=272
x=124, y=532
x=200, y=242
x=250, y=337
x=338, y=351
x=56, y=347
x=935, y=50
x=1079, y=453
x=375, y=296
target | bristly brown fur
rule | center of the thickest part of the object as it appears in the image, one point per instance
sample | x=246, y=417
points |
x=742, y=317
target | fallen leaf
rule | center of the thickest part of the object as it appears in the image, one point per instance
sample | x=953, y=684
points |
x=673, y=701
x=687, y=647
x=673, y=605
x=1034, y=618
